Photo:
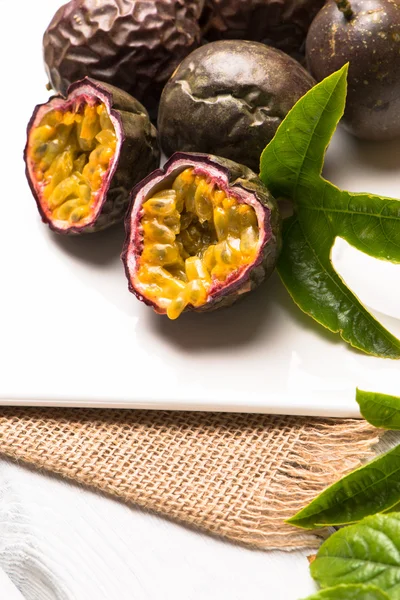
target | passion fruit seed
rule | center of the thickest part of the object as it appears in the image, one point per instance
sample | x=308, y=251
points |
x=217, y=235
x=71, y=153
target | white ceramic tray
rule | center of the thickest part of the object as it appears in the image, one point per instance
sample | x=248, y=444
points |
x=72, y=334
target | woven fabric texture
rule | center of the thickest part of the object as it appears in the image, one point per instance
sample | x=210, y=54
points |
x=234, y=475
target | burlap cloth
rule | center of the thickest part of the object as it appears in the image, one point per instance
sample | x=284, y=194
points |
x=234, y=475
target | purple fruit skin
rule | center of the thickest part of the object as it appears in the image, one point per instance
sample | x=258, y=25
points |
x=139, y=154
x=232, y=96
x=132, y=44
x=279, y=23
x=370, y=42
x=239, y=179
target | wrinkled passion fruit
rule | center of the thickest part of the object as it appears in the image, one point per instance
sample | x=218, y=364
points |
x=201, y=232
x=279, y=23
x=85, y=152
x=132, y=44
x=228, y=98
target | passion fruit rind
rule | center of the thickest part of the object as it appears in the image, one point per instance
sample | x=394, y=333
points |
x=232, y=96
x=240, y=186
x=132, y=44
x=136, y=153
x=282, y=24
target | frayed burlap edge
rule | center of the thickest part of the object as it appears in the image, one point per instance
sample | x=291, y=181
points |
x=237, y=476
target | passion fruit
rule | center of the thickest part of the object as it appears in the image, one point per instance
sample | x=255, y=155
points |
x=201, y=233
x=279, y=23
x=85, y=152
x=365, y=33
x=132, y=44
x=228, y=98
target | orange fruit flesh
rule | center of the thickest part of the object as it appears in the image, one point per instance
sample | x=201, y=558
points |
x=70, y=153
x=194, y=234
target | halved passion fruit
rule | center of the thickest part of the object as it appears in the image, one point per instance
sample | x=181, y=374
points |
x=201, y=232
x=85, y=152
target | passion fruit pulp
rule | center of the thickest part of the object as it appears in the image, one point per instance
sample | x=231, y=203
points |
x=84, y=153
x=201, y=233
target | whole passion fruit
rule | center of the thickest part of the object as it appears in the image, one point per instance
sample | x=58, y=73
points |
x=228, y=98
x=365, y=33
x=132, y=44
x=85, y=152
x=201, y=232
x=279, y=23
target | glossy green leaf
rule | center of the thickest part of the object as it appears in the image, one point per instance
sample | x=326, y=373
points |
x=314, y=285
x=373, y=488
x=368, y=552
x=380, y=410
x=350, y=592
x=291, y=166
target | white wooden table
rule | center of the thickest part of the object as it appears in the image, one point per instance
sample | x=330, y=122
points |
x=59, y=541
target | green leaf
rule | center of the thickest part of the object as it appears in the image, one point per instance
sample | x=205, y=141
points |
x=350, y=592
x=374, y=487
x=380, y=410
x=368, y=552
x=291, y=166
x=311, y=280
x=295, y=156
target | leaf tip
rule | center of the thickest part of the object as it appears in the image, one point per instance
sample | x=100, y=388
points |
x=345, y=68
x=295, y=522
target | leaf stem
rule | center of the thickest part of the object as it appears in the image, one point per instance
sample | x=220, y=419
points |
x=345, y=7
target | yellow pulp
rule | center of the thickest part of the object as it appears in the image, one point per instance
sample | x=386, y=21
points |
x=194, y=235
x=70, y=153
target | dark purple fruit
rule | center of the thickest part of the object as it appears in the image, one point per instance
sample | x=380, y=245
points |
x=279, y=23
x=365, y=33
x=228, y=98
x=201, y=232
x=85, y=152
x=132, y=44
